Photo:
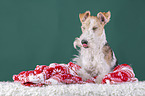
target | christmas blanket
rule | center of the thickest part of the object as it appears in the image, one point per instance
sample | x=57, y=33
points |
x=67, y=74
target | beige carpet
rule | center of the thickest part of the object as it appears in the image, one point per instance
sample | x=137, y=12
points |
x=124, y=89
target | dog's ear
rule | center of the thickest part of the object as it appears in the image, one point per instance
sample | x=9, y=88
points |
x=84, y=16
x=104, y=17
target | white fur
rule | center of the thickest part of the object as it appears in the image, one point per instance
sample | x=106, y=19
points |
x=92, y=59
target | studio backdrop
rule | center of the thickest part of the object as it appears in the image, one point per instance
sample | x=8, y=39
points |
x=40, y=32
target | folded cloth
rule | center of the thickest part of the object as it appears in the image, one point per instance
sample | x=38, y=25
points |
x=121, y=73
x=67, y=74
x=52, y=74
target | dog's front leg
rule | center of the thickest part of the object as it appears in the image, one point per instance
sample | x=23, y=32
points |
x=83, y=73
x=102, y=74
x=99, y=78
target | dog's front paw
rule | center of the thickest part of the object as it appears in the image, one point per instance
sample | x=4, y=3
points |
x=99, y=79
x=82, y=73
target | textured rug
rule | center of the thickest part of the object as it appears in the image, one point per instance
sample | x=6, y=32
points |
x=123, y=89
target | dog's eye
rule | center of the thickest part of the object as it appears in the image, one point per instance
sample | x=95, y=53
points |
x=94, y=28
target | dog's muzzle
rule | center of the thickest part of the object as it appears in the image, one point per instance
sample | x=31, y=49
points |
x=84, y=43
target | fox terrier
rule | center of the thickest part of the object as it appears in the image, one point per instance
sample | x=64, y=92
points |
x=95, y=55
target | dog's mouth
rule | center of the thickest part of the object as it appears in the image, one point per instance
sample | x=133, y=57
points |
x=85, y=43
x=85, y=46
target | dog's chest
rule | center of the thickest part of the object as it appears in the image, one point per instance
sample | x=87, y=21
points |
x=91, y=60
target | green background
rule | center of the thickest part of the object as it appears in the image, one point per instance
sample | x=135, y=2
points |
x=42, y=32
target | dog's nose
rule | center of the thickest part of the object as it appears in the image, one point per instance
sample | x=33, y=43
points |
x=84, y=42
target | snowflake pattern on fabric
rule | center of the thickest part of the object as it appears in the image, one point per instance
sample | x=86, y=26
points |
x=67, y=74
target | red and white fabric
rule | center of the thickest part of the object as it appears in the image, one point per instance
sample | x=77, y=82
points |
x=52, y=74
x=67, y=74
x=121, y=73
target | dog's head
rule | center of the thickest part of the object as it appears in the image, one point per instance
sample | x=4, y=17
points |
x=92, y=28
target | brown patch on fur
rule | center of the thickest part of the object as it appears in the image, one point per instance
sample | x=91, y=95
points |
x=108, y=53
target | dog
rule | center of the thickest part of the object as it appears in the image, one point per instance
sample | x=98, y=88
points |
x=95, y=55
